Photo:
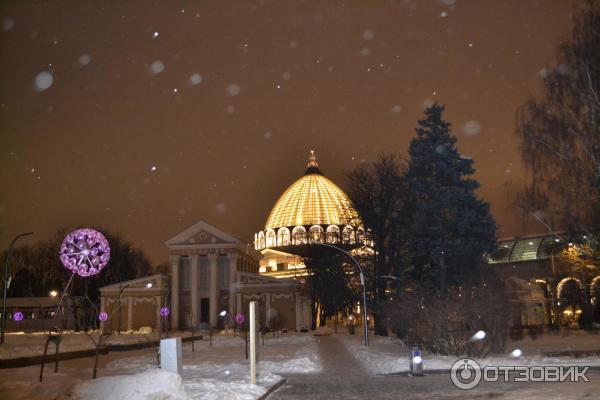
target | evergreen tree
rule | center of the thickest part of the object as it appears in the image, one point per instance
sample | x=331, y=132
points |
x=451, y=229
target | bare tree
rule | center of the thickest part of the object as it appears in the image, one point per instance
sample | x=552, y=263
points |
x=561, y=132
x=378, y=192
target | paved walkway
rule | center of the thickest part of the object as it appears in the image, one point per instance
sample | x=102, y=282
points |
x=343, y=377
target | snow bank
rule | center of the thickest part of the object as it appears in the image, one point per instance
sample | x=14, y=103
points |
x=386, y=356
x=148, y=385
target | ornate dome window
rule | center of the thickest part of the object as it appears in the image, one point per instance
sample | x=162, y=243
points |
x=348, y=235
x=332, y=234
x=299, y=235
x=283, y=237
x=316, y=234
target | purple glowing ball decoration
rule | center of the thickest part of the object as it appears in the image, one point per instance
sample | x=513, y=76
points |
x=18, y=316
x=103, y=316
x=239, y=318
x=85, y=252
x=164, y=312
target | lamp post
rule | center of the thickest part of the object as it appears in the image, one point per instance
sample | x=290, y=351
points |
x=362, y=282
x=6, y=283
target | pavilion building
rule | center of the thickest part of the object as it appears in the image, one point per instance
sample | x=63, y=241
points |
x=312, y=210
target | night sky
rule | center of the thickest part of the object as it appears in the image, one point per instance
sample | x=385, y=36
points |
x=163, y=113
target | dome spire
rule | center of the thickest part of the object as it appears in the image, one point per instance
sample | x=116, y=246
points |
x=313, y=165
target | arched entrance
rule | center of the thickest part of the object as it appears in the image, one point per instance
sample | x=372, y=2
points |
x=595, y=299
x=570, y=301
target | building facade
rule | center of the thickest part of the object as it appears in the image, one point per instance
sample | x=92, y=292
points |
x=213, y=277
x=544, y=288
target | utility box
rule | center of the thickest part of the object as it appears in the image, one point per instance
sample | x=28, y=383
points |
x=170, y=355
x=416, y=361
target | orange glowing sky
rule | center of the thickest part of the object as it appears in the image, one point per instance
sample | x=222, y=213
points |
x=278, y=78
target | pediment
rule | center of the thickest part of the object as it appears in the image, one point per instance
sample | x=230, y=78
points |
x=201, y=233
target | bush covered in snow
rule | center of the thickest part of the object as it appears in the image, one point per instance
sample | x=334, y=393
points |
x=445, y=323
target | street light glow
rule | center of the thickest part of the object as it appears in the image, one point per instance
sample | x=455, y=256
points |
x=479, y=335
x=53, y=293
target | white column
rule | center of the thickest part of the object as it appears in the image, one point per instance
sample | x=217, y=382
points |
x=298, y=311
x=267, y=308
x=194, y=292
x=129, y=313
x=175, y=292
x=213, y=287
x=232, y=258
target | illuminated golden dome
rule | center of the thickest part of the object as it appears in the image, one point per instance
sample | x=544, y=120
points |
x=312, y=209
x=312, y=200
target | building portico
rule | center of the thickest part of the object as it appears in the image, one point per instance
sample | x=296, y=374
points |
x=212, y=271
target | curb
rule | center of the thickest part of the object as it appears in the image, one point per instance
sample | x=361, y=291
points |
x=273, y=388
x=70, y=355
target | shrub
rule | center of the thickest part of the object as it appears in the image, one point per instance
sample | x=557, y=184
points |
x=444, y=323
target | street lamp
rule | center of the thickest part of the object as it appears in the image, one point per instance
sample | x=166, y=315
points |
x=53, y=293
x=362, y=282
x=6, y=283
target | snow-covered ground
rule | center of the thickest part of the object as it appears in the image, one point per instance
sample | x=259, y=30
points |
x=386, y=355
x=20, y=344
x=220, y=372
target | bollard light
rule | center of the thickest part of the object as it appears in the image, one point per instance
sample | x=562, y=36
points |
x=416, y=362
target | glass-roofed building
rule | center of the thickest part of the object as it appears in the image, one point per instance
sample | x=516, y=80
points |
x=545, y=289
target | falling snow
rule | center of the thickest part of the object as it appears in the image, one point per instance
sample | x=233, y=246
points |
x=195, y=79
x=368, y=34
x=471, y=128
x=43, y=81
x=84, y=59
x=7, y=24
x=233, y=89
x=157, y=67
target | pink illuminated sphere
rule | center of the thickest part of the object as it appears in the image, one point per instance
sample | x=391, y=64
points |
x=103, y=316
x=18, y=316
x=85, y=252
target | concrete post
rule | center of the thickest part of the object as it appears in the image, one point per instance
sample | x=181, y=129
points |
x=170, y=355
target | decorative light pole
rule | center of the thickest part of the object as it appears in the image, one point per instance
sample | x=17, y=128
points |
x=362, y=282
x=6, y=283
x=85, y=252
